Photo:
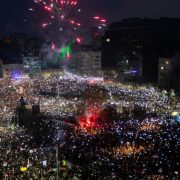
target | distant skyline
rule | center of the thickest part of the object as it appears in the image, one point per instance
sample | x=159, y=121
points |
x=13, y=13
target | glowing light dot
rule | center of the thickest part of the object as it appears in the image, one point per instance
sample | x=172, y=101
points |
x=108, y=40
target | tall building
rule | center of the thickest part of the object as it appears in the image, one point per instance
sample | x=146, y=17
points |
x=31, y=65
x=165, y=72
x=140, y=42
x=175, y=78
x=22, y=42
x=16, y=45
x=86, y=60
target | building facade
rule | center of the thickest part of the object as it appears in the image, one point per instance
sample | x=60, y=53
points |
x=86, y=61
x=31, y=65
x=140, y=42
x=165, y=72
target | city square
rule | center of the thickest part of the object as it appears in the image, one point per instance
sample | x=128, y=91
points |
x=89, y=90
x=127, y=131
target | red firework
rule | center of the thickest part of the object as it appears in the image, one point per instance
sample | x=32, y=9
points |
x=59, y=11
x=89, y=119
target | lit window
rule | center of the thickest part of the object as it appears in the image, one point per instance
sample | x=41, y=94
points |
x=108, y=40
x=134, y=52
x=167, y=62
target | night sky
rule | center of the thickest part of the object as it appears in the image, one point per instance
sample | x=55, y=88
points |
x=14, y=12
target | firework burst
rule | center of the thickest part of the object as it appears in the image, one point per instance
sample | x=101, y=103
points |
x=62, y=15
x=58, y=12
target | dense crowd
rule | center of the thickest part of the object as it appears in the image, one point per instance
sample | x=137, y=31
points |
x=136, y=139
x=128, y=152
